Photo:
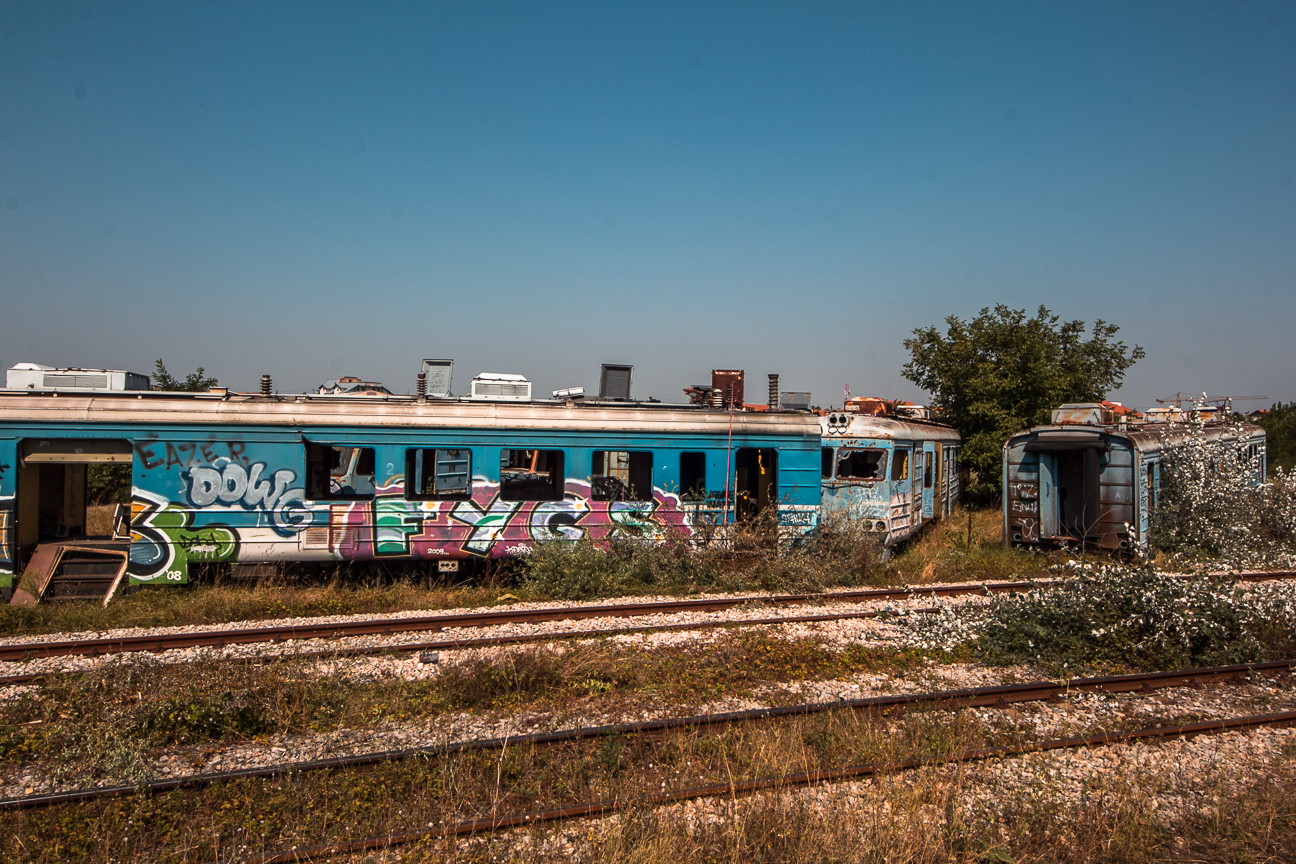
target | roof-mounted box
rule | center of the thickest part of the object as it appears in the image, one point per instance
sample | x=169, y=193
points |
x=499, y=385
x=33, y=376
x=439, y=373
x=795, y=401
x=614, y=382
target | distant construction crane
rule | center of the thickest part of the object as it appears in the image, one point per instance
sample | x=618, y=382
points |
x=1178, y=398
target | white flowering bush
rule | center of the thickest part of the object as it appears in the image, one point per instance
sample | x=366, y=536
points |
x=1118, y=615
x=1210, y=512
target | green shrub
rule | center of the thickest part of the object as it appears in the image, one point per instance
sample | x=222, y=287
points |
x=1123, y=616
x=195, y=717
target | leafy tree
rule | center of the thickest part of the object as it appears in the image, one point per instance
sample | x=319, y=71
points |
x=1279, y=423
x=108, y=483
x=1002, y=372
x=194, y=382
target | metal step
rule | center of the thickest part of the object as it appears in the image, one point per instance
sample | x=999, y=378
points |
x=71, y=571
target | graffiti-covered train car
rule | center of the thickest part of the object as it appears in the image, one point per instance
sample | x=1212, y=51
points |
x=1092, y=477
x=240, y=478
x=896, y=472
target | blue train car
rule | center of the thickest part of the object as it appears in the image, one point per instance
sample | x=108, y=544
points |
x=219, y=477
x=1091, y=478
x=896, y=473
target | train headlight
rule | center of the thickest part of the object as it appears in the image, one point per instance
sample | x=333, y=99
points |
x=880, y=526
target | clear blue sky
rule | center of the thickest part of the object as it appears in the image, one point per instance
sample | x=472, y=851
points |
x=317, y=189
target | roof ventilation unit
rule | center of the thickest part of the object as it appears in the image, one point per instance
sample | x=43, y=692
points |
x=614, y=382
x=439, y=373
x=498, y=385
x=33, y=376
x=795, y=401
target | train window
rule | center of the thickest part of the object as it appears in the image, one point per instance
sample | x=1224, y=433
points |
x=826, y=463
x=927, y=471
x=900, y=466
x=861, y=464
x=336, y=473
x=621, y=475
x=693, y=476
x=531, y=475
x=438, y=475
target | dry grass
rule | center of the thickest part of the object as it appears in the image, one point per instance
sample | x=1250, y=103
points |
x=932, y=814
x=99, y=519
x=110, y=724
x=942, y=553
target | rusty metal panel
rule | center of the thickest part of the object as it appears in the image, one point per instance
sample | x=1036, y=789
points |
x=725, y=379
x=1081, y=414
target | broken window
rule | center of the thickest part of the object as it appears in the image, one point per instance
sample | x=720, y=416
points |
x=927, y=470
x=335, y=473
x=693, y=476
x=621, y=475
x=438, y=475
x=861, y=464
x=900, y=466
x=826, y=463
x=531, y=475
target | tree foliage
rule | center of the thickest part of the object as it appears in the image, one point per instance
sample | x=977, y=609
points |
x=1279, y=423
x=194, y=382
x=1002, y=372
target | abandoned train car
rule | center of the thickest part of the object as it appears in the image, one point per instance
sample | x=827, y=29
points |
x=897, y=472
x=1091, y=479
x=219, y=477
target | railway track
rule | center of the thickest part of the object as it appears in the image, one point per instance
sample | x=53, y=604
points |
x=432, y=623
x=19, y=652
x=747, y=787
x=514, y=639
x=994, y=696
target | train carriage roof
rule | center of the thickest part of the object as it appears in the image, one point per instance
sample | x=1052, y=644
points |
x=205, y=409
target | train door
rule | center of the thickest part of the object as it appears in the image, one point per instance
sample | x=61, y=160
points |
x=1069, y=487
x=52, y=475
x=755, y=481
x=8, y=491
x=901, y=503
x=1077, y=482
x=928, y=480
x=1048, y=500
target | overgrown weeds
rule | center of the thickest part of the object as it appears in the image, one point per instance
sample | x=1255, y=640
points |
x=1123, y=616
x=146, y=706
x=937, y=813
x=1212, y=511
x=839, y=552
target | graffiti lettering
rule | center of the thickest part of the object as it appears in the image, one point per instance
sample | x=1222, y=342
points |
x=234, y=484
x=1019, y=506
x=1023, y=490
x=6, y=523
x=1029, y=529
x=487, y=523
x=557, y=520
x=186, y=453
x=164, y=540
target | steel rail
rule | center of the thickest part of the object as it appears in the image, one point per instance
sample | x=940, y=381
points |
x=17, y=652
x=993, y=696
x=521, y=638
x=390, y=626
x=747, y=787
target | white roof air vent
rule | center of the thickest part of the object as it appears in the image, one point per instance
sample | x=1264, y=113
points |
x=498, y=385
x=33, y=376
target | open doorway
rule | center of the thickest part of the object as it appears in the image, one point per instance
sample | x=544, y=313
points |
x=756, y=481
x=70, y=489
x=73, y=525
x=1078, y=488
